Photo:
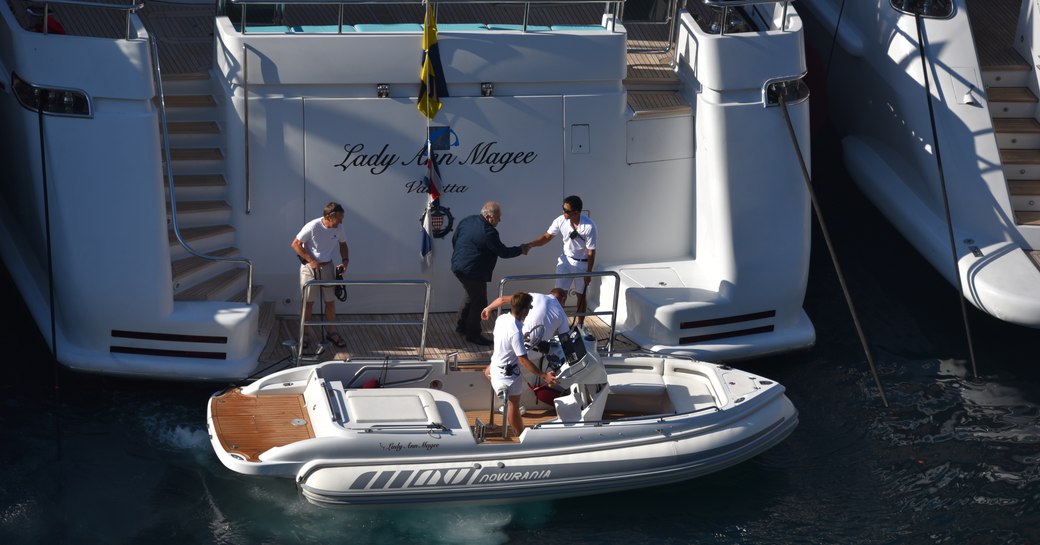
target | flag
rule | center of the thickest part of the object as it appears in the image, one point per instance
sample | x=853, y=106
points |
x=431, y=181
x=432, y=86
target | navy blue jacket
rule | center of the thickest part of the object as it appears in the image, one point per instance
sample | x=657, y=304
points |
x=477, y=248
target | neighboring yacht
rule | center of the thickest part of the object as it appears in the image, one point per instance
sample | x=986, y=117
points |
x=979, y=98
x=168, y=256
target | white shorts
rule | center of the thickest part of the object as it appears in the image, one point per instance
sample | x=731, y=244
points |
x=514, y=386
x=326, y=272
x=566, y=265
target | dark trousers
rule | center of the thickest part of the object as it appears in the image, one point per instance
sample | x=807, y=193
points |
x=473, y=302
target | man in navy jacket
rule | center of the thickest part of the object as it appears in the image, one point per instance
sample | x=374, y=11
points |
x=476, y=248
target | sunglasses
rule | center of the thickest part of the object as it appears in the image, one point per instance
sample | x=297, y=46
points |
x=574, y=235
x=565, y=211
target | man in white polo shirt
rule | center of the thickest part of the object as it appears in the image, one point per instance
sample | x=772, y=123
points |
x=320, y=243
x=579, y=249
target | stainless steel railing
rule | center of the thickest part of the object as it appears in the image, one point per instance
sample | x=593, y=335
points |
x=316, y=284
x=157, y=75
x=129, y=8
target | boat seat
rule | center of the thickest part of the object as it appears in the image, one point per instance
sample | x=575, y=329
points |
x=688, y=394
x=394, y=406
x=578, y=407
x=390, y=27
x=577, y=27
x=567, y=408
x=636, y=384
x=456, y=27
x=530, y=28
x=322, y=29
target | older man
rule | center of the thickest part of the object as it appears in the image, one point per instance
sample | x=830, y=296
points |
x=476, y=249
x=319, y=243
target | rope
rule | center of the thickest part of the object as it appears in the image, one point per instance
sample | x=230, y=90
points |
x=946, y=200
x=830, y=249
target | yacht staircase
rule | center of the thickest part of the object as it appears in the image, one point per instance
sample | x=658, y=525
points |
x=1013, y=105
x=203, y=212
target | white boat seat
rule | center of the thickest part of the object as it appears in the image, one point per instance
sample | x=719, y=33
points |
x=390, y=406
x=636, y=384
x=567, y=408
x=688, y=395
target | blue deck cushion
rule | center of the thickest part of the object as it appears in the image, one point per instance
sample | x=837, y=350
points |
x=578, y=27
x=530, y=28
x=454, y=27
x=395, y=27
x=324, y=29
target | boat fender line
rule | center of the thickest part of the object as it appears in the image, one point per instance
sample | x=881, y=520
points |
x=942, y=185
x=830, y=247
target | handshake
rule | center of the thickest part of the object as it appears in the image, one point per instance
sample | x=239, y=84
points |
x=525, y=247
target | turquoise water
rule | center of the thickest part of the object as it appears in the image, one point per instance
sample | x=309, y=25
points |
x=92, y=459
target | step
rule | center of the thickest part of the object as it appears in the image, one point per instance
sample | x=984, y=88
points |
x=198, y=213
x=201, y=239
x=216, y=288
x=198, y=186
x=1024, y=187
x=184, y=108
x=1021, y=164
x=1017, y=132
x=1025, y=195
x=194, y=134
x=658, y=104
x=196, y=154
x=192, y=269
x=1027, y=218
x=1010, y=75
x=198, y=83
x=1011, y=102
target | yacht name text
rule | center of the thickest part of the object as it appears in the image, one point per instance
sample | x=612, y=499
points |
x=487, y=154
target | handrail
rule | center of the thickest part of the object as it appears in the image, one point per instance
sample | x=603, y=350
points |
x=614, y=7
x=727, y=4
x=331, y=283
x=245, y=126
x=157, y=74
x=130, y=9
x=613, y=312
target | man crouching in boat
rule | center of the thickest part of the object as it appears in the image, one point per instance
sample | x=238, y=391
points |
x=509, y=354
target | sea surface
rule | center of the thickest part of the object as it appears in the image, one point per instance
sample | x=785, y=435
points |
x=954, y=458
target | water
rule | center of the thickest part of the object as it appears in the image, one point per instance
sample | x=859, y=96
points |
x=94, y=459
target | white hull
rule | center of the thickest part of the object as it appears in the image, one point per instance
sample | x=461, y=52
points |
x=876, y=94
x=685, y=419
x=719, y=271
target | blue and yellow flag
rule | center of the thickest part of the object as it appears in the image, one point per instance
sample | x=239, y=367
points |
x=431, y=76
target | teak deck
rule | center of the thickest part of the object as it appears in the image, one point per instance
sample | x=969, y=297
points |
x=249, y=425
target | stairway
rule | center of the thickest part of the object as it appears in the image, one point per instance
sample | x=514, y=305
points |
x=1013, y=107
x=203, y=213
